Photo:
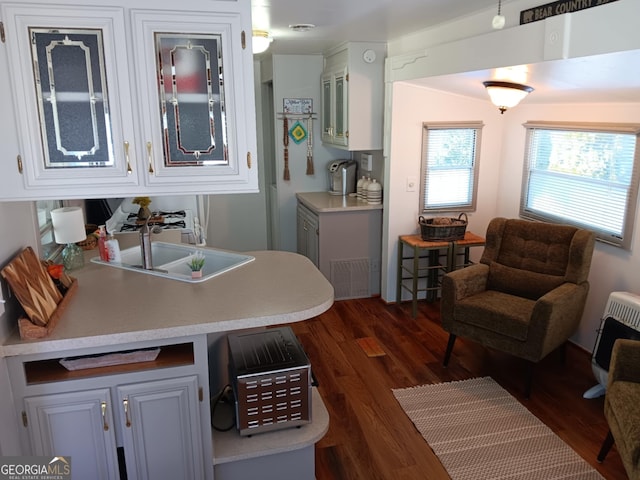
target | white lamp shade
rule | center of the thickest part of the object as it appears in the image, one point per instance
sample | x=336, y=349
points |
x=68, y=225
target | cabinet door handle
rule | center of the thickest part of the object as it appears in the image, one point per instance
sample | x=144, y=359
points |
x=127, y=420
x=103, y=409
x=19, y=159
x=150, y=157
x=126, y=155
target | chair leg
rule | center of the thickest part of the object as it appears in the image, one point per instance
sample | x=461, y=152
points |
x=447, y=353
x=528, y=380
x=606, y=446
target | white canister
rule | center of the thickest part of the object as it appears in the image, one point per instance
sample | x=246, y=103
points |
x=374, y=192
x=359, y=189
x=365, y=188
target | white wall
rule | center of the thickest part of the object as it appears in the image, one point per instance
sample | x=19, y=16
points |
x=18, y=231
x=412, y=106
x=298, y=76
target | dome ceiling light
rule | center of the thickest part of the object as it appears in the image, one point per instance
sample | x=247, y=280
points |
x=506, y=95
x=260, y=41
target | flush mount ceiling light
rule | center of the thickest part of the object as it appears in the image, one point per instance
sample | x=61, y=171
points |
x=506, y=94
x=261, y=41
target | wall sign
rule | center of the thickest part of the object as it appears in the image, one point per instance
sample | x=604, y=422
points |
x=560, y=7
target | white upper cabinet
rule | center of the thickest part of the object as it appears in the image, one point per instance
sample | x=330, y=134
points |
x=118, y=101
x=71, y=97
x=353, y=96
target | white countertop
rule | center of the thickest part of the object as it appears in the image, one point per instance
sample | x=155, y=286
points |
x=113, y=306
x=322, y=202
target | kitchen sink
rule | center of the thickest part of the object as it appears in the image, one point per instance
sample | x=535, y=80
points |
x=170, y=261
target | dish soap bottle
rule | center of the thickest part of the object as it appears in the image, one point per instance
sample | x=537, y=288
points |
x=102, y=243
x=113, y=249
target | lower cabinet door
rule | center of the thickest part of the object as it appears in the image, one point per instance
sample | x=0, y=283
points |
x=75, y=425
x=162, y=435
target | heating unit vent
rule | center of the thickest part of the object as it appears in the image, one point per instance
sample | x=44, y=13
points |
x=350, y=278
x=621, y=319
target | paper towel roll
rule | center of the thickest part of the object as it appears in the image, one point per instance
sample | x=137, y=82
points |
x=68, y=224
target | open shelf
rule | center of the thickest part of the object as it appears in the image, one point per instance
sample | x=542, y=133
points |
x=50, y=370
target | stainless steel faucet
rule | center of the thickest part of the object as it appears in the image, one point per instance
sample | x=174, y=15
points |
x=145, y=245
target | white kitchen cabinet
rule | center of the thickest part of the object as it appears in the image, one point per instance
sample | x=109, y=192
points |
x=353, y=95
x=126, y=100
x=75, y=424
x=78, y=74
x=162, y=431
x=149, y=420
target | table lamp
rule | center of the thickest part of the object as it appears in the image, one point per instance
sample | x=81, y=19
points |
x=68, y=228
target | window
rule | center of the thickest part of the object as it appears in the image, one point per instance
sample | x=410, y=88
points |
x=450, y=158
x=48, y=246
x=584, y=175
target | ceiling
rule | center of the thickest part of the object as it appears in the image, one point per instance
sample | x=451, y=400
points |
x=339, y=21
x=604, y=78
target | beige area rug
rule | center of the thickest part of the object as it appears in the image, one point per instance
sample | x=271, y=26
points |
x=480, y=432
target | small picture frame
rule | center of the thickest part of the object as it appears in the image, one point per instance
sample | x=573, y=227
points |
x=299, y=106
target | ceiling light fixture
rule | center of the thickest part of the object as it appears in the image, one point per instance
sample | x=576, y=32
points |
x=260, y=41
x=506, y=94
x=498, y=21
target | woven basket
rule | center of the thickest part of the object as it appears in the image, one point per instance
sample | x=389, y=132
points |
x=443, y=229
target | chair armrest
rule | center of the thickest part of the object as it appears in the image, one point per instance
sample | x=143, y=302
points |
x=467, y=281
x=460, y=284
x=625, y=361
x=556, y=316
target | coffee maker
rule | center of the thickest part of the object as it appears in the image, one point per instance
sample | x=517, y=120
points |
x=342, y=177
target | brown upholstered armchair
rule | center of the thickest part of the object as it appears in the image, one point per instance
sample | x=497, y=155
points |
x=526, y=296
x=621, y=407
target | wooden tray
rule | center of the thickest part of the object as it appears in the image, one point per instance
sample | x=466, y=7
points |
x=30, y=331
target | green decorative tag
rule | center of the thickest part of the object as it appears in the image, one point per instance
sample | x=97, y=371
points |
x=297, y=132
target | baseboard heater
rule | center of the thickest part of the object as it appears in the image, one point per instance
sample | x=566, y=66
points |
x=621, y=319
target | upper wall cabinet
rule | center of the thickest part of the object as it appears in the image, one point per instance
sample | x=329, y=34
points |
x=353, y=96
x=111, y=101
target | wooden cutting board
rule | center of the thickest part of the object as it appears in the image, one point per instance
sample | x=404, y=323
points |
x=32, y=286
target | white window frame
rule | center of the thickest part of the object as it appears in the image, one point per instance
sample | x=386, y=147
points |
x=471, y=183
x=573, y=192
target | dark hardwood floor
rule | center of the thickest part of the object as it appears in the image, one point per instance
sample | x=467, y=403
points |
x=371, y=438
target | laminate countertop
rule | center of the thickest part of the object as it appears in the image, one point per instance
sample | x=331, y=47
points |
x=113, y=306
x=322, y=202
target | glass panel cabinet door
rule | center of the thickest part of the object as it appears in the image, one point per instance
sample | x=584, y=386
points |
x=327, y=102
x=340, y=102
x=73, y=104
x=68, y=72
x=196, y=101
x=191, y=91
